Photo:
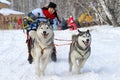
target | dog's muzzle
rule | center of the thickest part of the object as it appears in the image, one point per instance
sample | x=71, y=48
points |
x=45, y=34
x=87, y=42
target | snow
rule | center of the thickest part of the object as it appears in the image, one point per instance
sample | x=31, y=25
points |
x=6, y=11
x=5, y=1
x=103, y=64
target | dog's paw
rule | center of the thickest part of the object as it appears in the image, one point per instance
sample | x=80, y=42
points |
x=38, y=73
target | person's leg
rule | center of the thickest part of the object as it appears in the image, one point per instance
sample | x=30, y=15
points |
x=53, y=55
x=29, y=45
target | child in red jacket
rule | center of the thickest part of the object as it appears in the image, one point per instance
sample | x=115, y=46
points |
x=71, y=23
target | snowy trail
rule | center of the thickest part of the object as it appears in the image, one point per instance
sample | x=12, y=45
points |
x=103, y=63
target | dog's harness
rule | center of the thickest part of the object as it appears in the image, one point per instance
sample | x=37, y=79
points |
x=42, y=49
x=80, y=48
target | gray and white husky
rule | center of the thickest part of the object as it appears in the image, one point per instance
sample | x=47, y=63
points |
x=43, y=40
x=79, y=50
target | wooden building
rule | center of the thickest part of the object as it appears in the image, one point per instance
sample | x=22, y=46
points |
x=3, y=5
x=9, y=18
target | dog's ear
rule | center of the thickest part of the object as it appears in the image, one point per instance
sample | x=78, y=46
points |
x=79, y=31
x=88, y=31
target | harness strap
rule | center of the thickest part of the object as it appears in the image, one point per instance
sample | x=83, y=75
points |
x=77, y=50
x=81, y=54
x=62, y=39
x=79, y=47
x=42, y=49
x=76, y=43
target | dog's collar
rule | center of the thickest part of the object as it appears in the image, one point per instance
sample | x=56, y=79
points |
x=77, y=44
x=80, y=48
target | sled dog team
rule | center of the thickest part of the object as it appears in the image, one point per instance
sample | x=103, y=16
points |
x=43, y=41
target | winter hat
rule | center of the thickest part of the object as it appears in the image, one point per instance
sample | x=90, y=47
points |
x=52, y=5
x=71, y=16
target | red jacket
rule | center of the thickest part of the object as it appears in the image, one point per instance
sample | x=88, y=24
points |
x=70, y=21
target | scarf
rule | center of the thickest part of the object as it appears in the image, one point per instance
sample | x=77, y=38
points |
x=48, y=15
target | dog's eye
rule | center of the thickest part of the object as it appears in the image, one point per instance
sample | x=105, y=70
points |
x=83, y=35
x=88, y=35
x=47, y=27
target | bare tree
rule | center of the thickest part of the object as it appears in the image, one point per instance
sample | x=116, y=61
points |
x=106, y=11
x=110, y=16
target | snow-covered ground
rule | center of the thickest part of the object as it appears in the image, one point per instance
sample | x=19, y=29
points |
x=103, y=64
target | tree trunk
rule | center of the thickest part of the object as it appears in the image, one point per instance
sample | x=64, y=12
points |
x=107, y=12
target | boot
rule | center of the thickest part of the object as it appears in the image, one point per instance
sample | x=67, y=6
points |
x=30, y=58
x=53, y=55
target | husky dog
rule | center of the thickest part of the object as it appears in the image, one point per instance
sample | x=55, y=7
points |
x=79, y=50
x=43, y=39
